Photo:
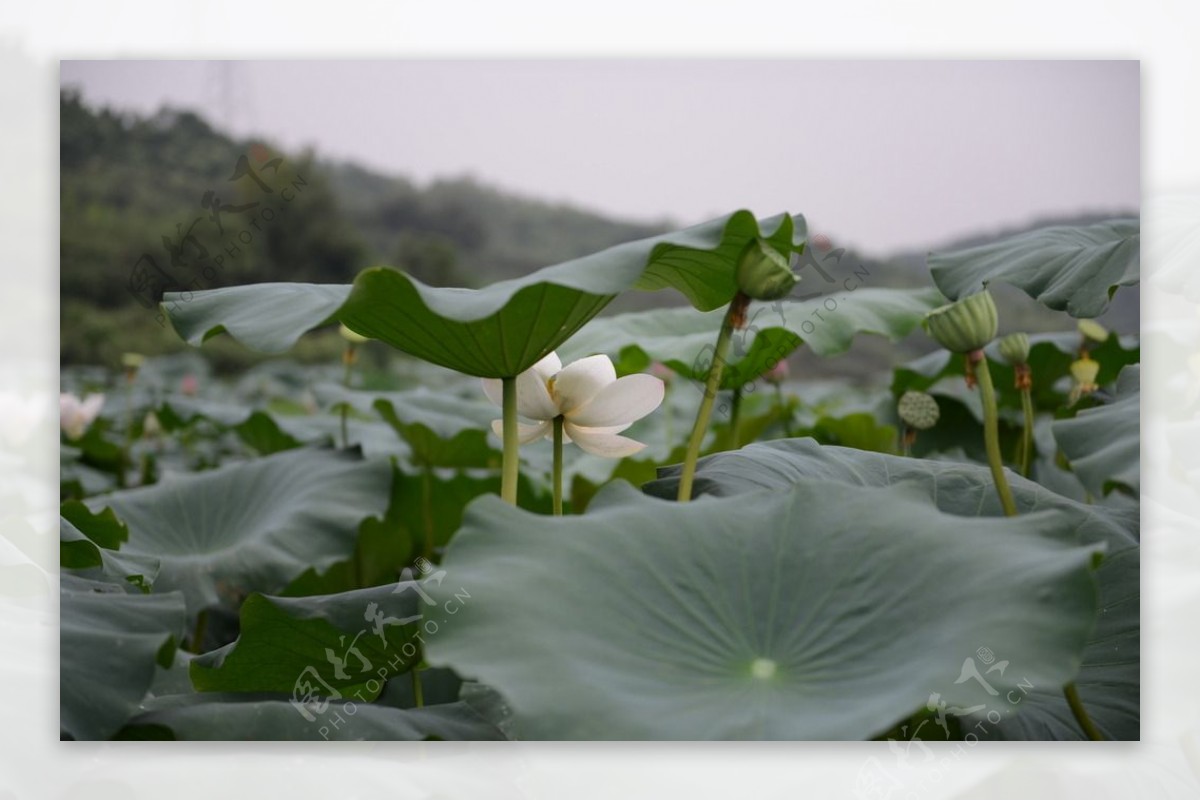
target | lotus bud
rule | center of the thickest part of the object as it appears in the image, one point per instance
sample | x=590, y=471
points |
x=1093, y=330
x=966, y=325
x=778, y=373
x=1014, y=349
x=151, y=427
x=918, y=410
x=763, y=272
x=1084, y=371
x=352, y=337
x=131, y=362
x=661, y=372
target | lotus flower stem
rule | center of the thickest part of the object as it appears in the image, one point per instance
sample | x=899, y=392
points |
x=1081, y=715
x=198, y=632
x=427, y=509
x=558, y=464
x=735, y=418
x=1026, y=431
x=510, y=470
x=348, y=361
x=991, y=431
x=736, y=313
x=782, y=406
x=418, y=694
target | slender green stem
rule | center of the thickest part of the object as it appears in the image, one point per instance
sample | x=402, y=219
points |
x=668, y=417
x=508, y=478
x=427, y=510
x=991, y=435
x=1026, y=431
x=787, y=421
x=558, y=464
x=1081, y=715
x=700, y=427
x=360, y=580
x=126, y=460
x=418, y=694
x=905, y=440
x=198, y=631
x=735, y=418
x=348, y=361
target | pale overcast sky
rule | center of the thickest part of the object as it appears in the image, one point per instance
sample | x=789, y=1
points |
x=881, y=155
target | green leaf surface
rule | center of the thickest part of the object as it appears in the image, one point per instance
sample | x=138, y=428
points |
x=774, y=618
x=337, y=646
x=496, y=331
x=263, y=434
x=1075, y=269
x=1109, y=679
x=253, y=527
x=103, y=528
x=1103, y=443
x=232, y=719
x=109, y=645
x=86, y=559
x=1109, y=682
x=683, y=338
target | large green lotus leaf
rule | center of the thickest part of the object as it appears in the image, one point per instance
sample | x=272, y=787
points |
x=1103, y=443
x=109, y=645
x=263, y=434
x=228, y=718
x=1109, y=679
x=101, y=528
x=1050, y=357
x=794, y=615
x=684, y=338
x=343, y=645
x=496, y=331
x=81, y=554
x=252, y=527
x=1070, y=268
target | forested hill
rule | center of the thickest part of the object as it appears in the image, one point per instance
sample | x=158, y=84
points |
x=134, y=187
x=127, y=181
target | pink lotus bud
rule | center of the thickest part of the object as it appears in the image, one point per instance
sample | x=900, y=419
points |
x=661, y=371
x=778, y=373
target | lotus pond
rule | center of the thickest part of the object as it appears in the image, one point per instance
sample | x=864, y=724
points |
x=538, y=522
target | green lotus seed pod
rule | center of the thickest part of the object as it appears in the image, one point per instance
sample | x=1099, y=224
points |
x=918, y=410
x=1014, y=348
x=966, y=325
x=132, y=361
x=1093, y=330
x=351, y=336
x=763, y=272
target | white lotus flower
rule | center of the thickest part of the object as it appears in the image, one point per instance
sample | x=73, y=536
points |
x=75, y=415
x=596, y=405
